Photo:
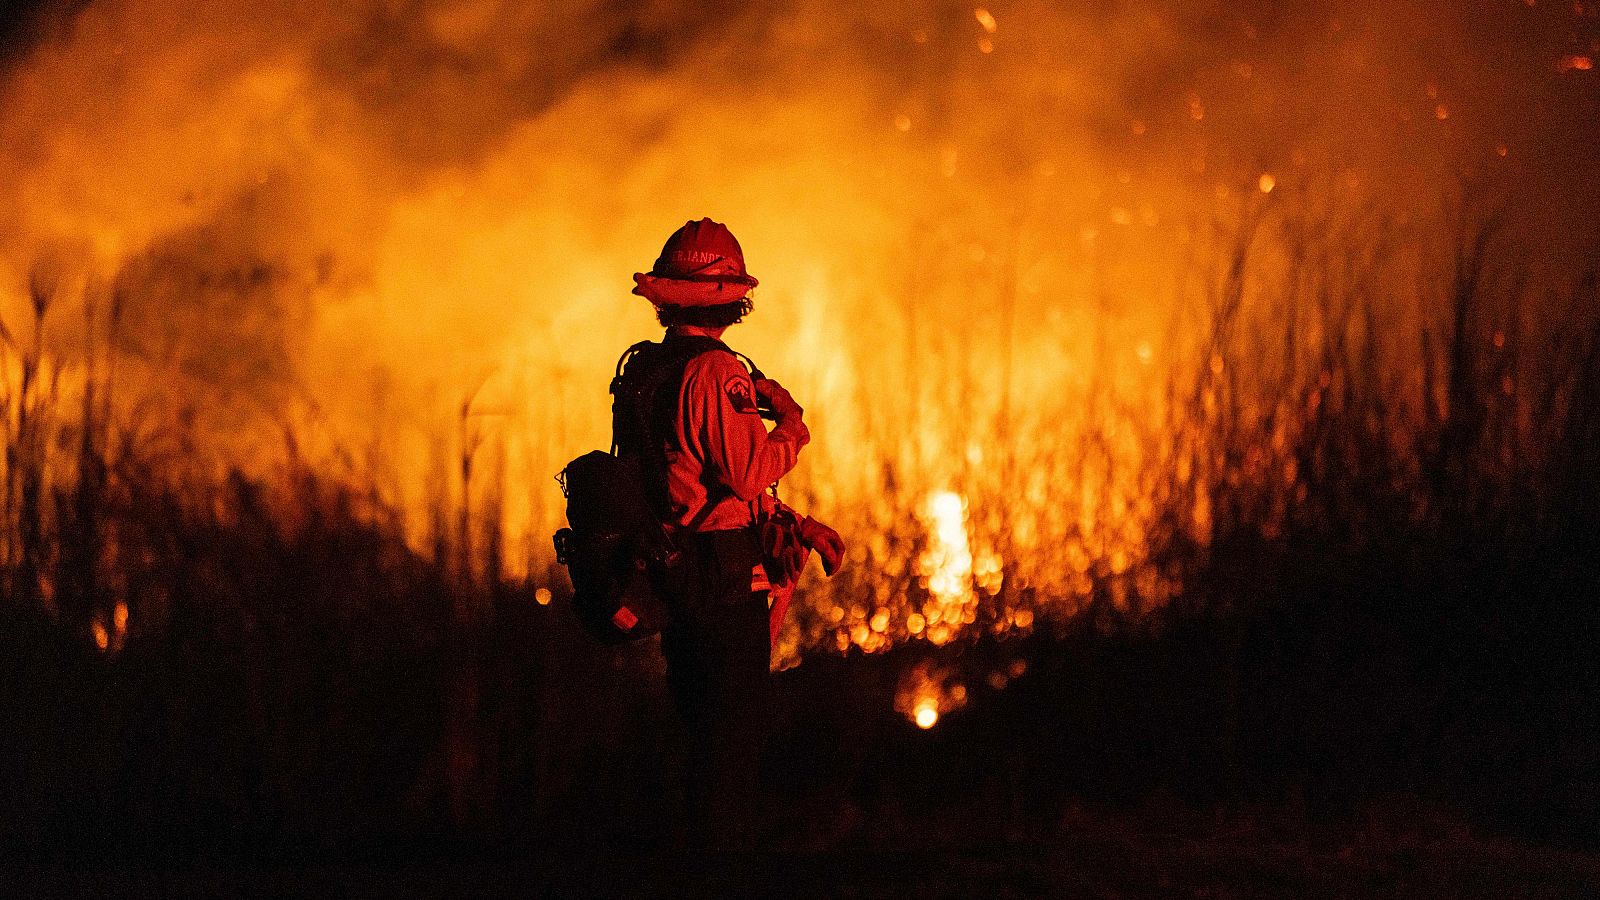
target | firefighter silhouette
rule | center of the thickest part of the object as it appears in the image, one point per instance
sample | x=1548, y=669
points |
x=742, y=549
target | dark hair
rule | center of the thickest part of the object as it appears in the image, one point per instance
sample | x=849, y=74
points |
x=720, y=315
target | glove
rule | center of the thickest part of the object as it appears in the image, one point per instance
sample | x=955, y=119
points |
x=777, y=397
x=825, y=541
x=783, y=553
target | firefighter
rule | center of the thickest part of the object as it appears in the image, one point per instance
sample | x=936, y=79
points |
x=718, y=465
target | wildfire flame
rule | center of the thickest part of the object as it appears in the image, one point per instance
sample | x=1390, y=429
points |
x=946, y=567
x=1037, y=302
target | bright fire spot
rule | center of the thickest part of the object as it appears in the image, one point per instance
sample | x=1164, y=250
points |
x=542, y=596
x=1144, y=351
x=119, y=616
x=946, y=564
x=986, y=19
x=1441, y=113
x=1267, y=182
x=928, y=691
x=985, y=45
x=102, y=639
x=1580, y=63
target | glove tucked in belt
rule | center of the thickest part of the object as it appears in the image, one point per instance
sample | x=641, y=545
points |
x=782, y=552
x=787, y=540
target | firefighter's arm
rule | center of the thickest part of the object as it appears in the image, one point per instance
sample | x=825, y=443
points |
x=721, y=403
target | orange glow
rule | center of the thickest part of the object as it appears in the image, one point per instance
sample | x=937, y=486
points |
x=928, y=691
x=1000, y=285
x=102, y=639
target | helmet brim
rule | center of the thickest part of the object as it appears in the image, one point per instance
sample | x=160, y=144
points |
x=663, y=291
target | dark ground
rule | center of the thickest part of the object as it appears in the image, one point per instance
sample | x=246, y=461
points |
x=1399, y=851
x=1071, y=782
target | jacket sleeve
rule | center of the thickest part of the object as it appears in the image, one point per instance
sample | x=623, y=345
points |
x=727, y=433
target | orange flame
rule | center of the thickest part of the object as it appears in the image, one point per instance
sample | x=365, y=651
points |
x=398, y=252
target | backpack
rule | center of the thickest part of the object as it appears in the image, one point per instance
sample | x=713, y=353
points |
x=617, y=501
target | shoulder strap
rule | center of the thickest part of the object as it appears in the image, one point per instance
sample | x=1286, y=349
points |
x=755, y=371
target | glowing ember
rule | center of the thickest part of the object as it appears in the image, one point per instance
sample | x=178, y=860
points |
x=928, y=691
x=1266, y=182
x=986, y=19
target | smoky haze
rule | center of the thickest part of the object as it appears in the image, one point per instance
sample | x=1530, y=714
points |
x=353, y=221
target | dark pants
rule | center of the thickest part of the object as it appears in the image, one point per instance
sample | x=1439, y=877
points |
x=717, y=653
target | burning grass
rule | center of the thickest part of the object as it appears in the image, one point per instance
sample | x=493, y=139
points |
x=1098, y=370
x=242, y=649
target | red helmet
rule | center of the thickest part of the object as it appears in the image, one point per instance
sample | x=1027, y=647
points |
x=700, y=265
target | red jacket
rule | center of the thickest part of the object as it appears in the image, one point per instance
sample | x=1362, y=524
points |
x=726, y=456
